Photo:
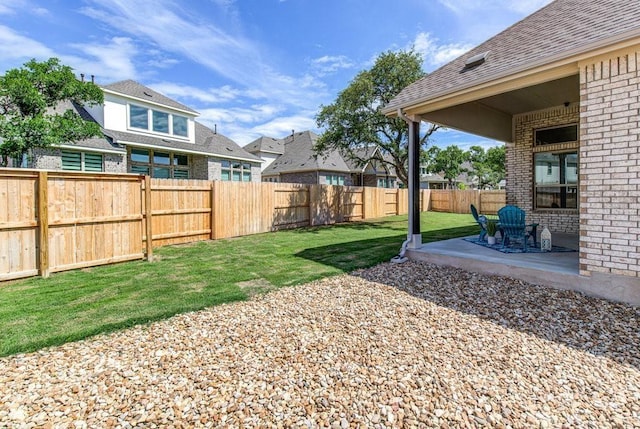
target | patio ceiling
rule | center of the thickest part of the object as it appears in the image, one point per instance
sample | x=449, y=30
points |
x=491, y=115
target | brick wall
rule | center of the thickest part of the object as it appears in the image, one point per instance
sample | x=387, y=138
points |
x=519, y=168
x=308, y=178
x=610, y=165
x=50, y=159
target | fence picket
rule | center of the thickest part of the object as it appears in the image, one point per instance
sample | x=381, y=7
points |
x=62, y=220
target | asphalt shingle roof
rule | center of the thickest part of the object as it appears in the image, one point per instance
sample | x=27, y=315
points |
x=299, y=156
x=98, y=143
x=560, y=29
x=206, y=142
x=266, y=144
x=132, y=88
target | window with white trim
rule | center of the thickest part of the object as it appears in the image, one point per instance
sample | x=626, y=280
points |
x=143, y=118
x=235, y=171
x=159, y=164
x=555, y=161
x=334, y=179
x=82, y=161
x=386, y=182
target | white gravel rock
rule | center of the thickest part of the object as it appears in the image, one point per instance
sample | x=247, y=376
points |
x=410, y=345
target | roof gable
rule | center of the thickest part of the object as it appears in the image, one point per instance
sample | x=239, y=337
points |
x=131, y=88
x=299, y=156
x=266, y=144
x=559, y=30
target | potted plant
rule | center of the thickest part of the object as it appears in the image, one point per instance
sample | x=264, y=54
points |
x=492, y=228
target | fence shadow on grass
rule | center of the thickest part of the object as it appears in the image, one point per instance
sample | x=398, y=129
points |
x=596, y=326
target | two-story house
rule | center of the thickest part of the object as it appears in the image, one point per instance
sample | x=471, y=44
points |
x=146, y=132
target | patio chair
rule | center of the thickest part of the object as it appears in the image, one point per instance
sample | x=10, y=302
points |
x=482, y=221
x=514, y=228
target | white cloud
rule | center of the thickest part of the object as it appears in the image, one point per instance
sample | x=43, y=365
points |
x=209, y=95
x=109, y=61
x=230, y=55
x=17, y=46
x=436, y=54
x=331, y=64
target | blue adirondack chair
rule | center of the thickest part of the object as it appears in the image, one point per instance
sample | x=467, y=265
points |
x=482, y=221
x=514, y=228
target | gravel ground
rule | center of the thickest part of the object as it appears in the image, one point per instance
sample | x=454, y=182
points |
x=411, y=345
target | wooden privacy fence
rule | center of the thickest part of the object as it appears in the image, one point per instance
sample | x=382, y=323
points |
x=56, y=221
x=459, y=201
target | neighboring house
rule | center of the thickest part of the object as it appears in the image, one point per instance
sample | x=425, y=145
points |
x=432, y=181
x=561, y=89
x=146, y=132
x=292, y=160
x=373, y=173
x=466, y=180
x=266, y=148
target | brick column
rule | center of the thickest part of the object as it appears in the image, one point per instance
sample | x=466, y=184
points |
x=610, y=165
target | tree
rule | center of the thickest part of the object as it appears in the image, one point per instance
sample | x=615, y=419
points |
x=488, y=166
x=355, y=121
x=448, y=161
x=30, y=113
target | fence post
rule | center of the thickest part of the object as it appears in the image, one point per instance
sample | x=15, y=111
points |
x=43, y=223
x=148, y=216
x=212, y=222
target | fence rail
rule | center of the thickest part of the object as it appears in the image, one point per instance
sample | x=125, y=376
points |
x=56, y=221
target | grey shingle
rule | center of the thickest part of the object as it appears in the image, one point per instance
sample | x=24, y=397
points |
x=206, y=142
x=98, y=143
x=561, y=28
x=266, y=144
x=299, y=156
x=134, y=89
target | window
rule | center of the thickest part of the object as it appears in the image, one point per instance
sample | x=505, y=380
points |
x=138, y=117
x=556, y=176
x=180, y=126
x=143, y=118
x=235, y=171
x=547, y=136
x=556, y=167
x=334, y=179
x=160, y=122
x=386, y=182
x=159, y=164
x=81, y=161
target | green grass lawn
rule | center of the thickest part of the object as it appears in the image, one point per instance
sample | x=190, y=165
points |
x=69, y=306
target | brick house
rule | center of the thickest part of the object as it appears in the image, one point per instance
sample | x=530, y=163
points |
x=146, y=132
x=561, y=88
x=292, y=160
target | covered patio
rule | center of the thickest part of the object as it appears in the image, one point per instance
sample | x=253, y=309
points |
x=560, y=88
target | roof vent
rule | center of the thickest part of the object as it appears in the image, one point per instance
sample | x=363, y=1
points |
x=476, y=60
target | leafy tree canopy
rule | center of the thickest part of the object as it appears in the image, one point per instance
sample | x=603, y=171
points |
x=355, y=121
x=30, y=114
x=488, y=166
x=448, y=161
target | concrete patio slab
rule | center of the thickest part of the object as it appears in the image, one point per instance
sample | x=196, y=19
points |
x=557, y=269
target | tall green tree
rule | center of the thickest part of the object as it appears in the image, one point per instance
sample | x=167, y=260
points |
x=488, y=166
x=30, y=113
x=448, y=162
x=355, y=120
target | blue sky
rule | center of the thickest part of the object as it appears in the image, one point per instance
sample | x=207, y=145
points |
x=252, y=67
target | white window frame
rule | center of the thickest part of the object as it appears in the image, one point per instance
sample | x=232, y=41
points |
x=149, y=128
